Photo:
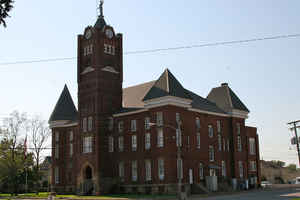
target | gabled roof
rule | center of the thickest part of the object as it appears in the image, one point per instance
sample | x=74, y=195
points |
x=226, y=99
x=167, y=85
x=64, y=108
x=100, y=23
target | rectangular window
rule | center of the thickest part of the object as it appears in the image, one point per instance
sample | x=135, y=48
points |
x=57, y=151
x=133, y=125
x=211, y=153
x=198, y=140
x=84, y=124
x=121, y=126
x=160, y=138
x=252, y=146
x=71, y=149
x=201, y=171
x=239, y=143
x=121, y=143
x=147, y=123
x=87, y=144
x=147, y=141
x=241, y=169
x=159, y=119
x=57, y=136
x=56, y=175
x=238, y=128
x=219, y=142
x=71, y=136
x=219, y=126
x=110, y=124
x=133, y=142
x=148, y=170
x=177, y=118
x=210, y=131
x=198, y=125
x=134, y=171
x=110, y=144
x=161, y=169
x=223, y=168
x=121, y=171
x=252, y=166
x=178, y=138
x=179, y=169
x=90, y=123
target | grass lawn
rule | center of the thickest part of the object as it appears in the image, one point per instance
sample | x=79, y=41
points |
x=31, y=195
x=118, y=196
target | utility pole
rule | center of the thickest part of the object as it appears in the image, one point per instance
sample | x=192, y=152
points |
x=294, y=123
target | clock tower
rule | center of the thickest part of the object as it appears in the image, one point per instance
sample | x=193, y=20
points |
x=100, y=78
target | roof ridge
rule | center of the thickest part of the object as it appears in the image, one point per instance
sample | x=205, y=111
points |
x=140, y=84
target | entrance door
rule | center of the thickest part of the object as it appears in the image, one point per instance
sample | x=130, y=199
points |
x=88, y=185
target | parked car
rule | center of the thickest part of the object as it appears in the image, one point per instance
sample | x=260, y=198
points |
x=265, y=184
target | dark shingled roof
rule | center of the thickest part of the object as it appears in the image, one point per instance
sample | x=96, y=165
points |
x=226, y=99
x=167, y=85
x=64, y=108
x=100, y=23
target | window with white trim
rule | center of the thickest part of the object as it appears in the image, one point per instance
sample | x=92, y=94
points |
x=241, y=169
x=148, y=170
x=133, y=125
x=219, y=142
x=177, y=118
x=252, y=146
x=147, y=141
x=90, y=123
x=159, y=119
x=121, y=143
x=121, y=126
x=147, y=123
x=133, y=142
x=238, y=128
x=56, y=136
x=179, y=168
x=223, y=168
x=211, y=153
x=84, y=124
x=198, y=125
x=201, y=171
x=252, y=166
x=161, y=169
x=71, y=136
x=160, y=138
x=198, y=140
x=87, y=144
x=134, y=170
x=239, y=143
x=178, y=138
x=121, y=171
x=110, y=144
x=219, y=126
x=210, y=131
x=56, y=175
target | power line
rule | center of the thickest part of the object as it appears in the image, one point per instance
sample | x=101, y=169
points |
x=164, y=49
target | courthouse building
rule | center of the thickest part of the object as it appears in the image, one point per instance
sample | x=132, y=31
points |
x=145, y=138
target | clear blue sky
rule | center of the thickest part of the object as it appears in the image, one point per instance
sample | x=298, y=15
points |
x=263, y=74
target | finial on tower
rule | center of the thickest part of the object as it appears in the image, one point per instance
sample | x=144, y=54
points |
x=101, y=8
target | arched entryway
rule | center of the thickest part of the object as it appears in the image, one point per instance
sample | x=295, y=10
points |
x=88, y=184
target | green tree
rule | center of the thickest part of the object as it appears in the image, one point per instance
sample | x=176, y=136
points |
x=5, y=8
x=292, y=167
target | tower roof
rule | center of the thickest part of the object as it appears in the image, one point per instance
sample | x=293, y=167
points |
x=167, y=85
x=64, y=108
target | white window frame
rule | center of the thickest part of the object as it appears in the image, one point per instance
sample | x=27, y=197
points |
x=121, y=126
x=159, y=119
x=90, y=123
x=110, y=144
x=238, y=128
x=88, y=144
x=177, y=118
x=211, y=153
x=133, y=125
x=121, y=143
x=219, y=142
x=71, y=138
x=148, y=170
x=134, y=142
x=147, y=141
x=253, y=166
x=134, y=170
x=219, y=128
x=198, y=123
x=198, y=140
x=210, y=131
x=161, y=169
x=179, y=168
x=160, y=138
x=84, y=124
x=147, y=123
x=201, y=171
x=239, y=144
x=252, y=146
x=178, y=138
x=241, y=169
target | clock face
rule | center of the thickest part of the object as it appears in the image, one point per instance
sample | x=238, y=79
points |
x=88, y=34
x=109, y=33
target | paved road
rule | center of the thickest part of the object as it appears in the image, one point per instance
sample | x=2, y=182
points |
x=282, y=194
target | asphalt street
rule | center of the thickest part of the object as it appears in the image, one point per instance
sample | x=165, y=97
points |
x=287, y=193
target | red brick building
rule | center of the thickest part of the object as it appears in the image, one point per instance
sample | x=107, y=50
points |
x=146, y=137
